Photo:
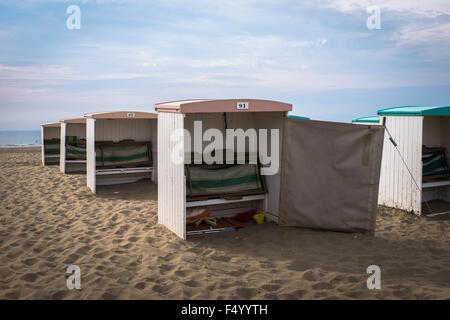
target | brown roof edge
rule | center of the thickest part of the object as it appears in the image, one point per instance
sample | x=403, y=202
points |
x=222, y=105
x=73, y=120
x=121, y=115
x=51, y=124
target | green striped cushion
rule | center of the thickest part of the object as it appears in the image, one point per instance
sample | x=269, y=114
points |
x=434, y=163
x=76, y=151
x=116, y=155
x=51, y=146
x=225, y=179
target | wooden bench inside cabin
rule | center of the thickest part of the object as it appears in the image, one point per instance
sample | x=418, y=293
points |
x=442, y=176
x=105, y=167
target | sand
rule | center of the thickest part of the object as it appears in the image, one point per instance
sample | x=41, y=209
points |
x=49, y=221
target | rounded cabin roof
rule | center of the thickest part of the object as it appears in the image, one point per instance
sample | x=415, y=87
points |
x=51, y=125
x=222, y=105
x=415, y=111
x=373, y=119
x=74, y=120
x=121, y=115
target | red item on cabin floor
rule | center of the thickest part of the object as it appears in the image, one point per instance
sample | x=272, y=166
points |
x=246, y=216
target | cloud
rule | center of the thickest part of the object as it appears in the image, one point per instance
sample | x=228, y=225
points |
x=424, y=8
x=59, y=72
x=419, y=34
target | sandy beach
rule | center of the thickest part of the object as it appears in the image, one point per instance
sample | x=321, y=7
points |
x=49, y=221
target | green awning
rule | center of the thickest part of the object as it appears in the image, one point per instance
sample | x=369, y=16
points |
x=415, y=111
x=298, y=117
x=374, y=119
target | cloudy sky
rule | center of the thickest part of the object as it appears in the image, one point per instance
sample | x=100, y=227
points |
x=129, y=54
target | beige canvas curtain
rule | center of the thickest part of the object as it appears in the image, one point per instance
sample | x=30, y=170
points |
x=330, y=175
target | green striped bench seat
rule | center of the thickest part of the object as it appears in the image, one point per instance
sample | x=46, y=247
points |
x=434, y=163
x=115, y=155
x=223, y=180
x=52, y=146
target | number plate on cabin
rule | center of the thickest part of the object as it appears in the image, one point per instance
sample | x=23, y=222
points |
x=242, y=105
x=130, y=115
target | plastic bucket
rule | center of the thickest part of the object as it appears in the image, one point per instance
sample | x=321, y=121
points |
x=259, y=218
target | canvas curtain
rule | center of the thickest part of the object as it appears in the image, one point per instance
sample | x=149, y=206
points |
x=330, y=175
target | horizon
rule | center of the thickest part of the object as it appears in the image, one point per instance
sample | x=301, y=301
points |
x=128, y=54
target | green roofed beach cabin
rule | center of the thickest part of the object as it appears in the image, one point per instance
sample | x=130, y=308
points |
x=374, y=120
x=121, y=147
x=414, y=174
x=308, y=173
x=50, y=143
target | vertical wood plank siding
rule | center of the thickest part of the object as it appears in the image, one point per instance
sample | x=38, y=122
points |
x=62, y=148
x=90, y=154
x=397, y=188
x=42, y=146
x=171, y=179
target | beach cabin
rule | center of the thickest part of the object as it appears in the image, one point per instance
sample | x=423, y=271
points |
x=50, y=143
x=73, y=145
x=298, y=172
x=414, y=174
x=371, y=121
x=121, y=147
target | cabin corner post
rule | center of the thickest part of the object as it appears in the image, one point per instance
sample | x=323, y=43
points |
x=42, y=146
x=62, y=148
x=90, y=155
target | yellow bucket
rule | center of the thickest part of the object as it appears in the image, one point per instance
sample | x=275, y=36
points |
x=259, y=218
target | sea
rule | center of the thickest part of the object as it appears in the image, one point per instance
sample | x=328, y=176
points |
x=20, y=138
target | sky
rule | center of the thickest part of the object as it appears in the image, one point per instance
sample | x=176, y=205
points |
x=130, y=54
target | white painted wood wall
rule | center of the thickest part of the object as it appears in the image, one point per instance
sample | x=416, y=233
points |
x=397, y=188
x=42, y=146
x=62, y=148
x=171, y=178
x=90, y=155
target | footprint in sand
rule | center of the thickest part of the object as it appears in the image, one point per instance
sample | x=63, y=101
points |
x=247, y=293
x=166, y=268
x=192, y=283
x=59, y=295
x=140, y=285
x=182, y=273
x=221, y=258
x=100, y=255
x=133, y=239
x=108, y=296
x=271, y=287
x=322, y=286
x=30, y=277
x=71, y=259
x=309, y=276
x=29, y=262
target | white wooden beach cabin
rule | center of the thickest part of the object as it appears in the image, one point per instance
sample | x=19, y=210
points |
x=415, y=130
x=370, y=121
x=72, y=131
x=327, y=178
x=119, y=128
x=50, y=135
